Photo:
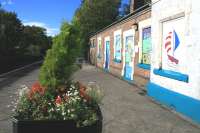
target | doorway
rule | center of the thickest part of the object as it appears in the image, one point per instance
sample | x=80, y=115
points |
x=129, y=53
x=107, y=54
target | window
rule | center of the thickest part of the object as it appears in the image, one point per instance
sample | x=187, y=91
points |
x=174, y=59
x=99, y=48
x=117, y=46
x=146, y=46
x=93, y=43
x=173, y=45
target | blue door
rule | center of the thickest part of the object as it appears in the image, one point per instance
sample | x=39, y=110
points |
x=107, y=56
x=129, y=49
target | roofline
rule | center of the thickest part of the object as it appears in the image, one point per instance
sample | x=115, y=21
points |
x=142, y=9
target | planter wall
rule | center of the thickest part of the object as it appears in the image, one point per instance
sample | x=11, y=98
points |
x=55, y=126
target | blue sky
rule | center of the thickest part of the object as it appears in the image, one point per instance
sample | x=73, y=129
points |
x=45, y=13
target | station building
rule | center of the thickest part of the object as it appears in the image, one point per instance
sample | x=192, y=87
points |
x=124, y=47
x=175, y=58
x=156, y=47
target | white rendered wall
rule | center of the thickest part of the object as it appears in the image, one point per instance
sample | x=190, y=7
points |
x=162, y=9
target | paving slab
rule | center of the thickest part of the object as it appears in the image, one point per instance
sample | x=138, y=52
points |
x=126, y=111
x=8, y=91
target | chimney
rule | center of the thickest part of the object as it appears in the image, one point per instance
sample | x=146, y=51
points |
x=135, y=4
x=131, y=6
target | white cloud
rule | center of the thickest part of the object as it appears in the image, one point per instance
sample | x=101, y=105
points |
x=50, y=31
x=7, y=2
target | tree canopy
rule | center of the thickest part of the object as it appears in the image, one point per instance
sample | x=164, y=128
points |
x=94, y=15
x=17, y=39
x=11, y=32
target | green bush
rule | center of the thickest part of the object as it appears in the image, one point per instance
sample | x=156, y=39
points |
x=59, y=61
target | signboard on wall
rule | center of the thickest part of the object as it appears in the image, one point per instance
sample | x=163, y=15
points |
x=146, y=45
x=99, y=51
x=173, y=45
x=118, y=47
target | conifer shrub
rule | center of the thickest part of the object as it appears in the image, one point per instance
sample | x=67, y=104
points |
x=59, y=65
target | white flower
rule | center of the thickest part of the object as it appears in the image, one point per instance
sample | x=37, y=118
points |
x=63, y=113
x=24, y=89
x=72, y=115
x=68, y=111
x=76, y=93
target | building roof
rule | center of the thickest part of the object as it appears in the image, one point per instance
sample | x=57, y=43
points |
x=132, y=15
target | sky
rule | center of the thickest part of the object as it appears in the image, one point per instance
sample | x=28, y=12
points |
x=44, y=13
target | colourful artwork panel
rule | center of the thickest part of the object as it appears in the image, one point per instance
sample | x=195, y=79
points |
x=129, y=49
x=173, y=47
x=99, y=48
x=146, y=45
x=118, y=48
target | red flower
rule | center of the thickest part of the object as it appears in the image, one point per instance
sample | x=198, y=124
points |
x=58, y=100
x=83, y=94
x=36, y=88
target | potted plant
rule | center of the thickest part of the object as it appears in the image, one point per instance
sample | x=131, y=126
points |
x=73, y=109
x=54, y=103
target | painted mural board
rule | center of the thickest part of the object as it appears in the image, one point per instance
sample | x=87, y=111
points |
x=129, y=51
x=173, y=47
x=99, y=50
x=117, y=46
x=146, y=45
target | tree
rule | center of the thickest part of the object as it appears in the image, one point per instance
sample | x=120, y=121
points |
x=10, y=33
x=17, y=39
x=94, y=15
x=59, y=61
x=36, y=40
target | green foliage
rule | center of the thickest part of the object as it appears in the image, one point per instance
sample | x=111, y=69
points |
x=92, y=16
x=17, y=39
x=95, y=93
x=38, y=103
x=10, y=33
x=35, y=40
x=59, y=61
